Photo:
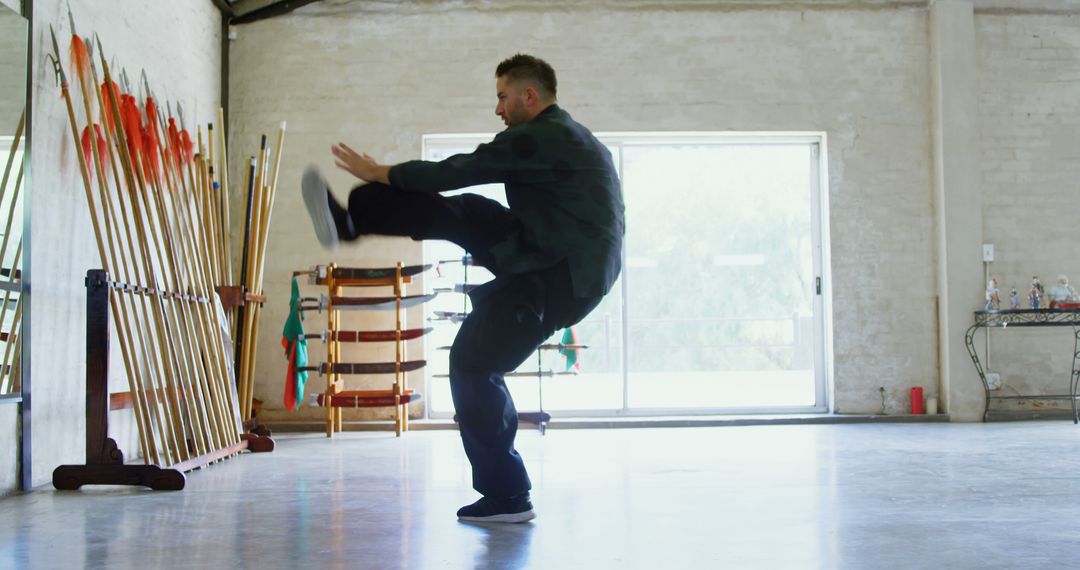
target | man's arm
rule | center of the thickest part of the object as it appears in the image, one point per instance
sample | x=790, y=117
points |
x=360, y=165
x=513, y=154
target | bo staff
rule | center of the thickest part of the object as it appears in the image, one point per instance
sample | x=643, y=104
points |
x=244, y=259
x=223, y=170
x=259, y=262
x=203, y=276
x=193, y=270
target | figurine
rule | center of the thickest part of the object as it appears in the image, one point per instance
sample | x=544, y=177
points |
x=993, y=299
x=1035, y=295
x=1014, y=299
x=1062, y=292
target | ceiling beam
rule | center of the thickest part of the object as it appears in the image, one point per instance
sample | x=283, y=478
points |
x=224, y=7
x=247, y=11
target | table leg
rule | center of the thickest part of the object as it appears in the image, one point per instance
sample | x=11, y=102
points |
x=969, y=340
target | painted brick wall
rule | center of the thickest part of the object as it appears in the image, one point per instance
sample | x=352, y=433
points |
x=382, y=77
x=1029, y=113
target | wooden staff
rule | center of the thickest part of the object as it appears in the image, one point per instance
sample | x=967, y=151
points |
x=190, y=347
x=196, y=229
x=12, y=278
x=125, y=211
x=258, y=226
x=183, y=256
x=147, y=443
x=10, y=374
x=223, y=174
x=157, y=417
x=11, y=154
x=260, y=262
x=195, y=267
x=174, y=342
x=251, y=181
x=12, y=378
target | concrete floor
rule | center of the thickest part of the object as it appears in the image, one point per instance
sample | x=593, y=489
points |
x=1003, y=495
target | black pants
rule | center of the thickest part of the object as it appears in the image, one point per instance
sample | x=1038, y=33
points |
x=511, y=317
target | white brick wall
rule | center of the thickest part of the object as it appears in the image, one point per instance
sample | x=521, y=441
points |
x=382, y=78
x=1029, y=112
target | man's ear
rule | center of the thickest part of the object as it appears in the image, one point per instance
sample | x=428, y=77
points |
x=531, y=96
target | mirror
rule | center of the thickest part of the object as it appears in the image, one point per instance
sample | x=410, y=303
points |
x=13, y=76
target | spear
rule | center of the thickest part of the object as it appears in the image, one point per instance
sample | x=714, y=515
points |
x=181, y=346
x=146, y=443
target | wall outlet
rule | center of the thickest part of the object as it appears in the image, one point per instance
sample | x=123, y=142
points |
x=993, y=379
x=988, y=252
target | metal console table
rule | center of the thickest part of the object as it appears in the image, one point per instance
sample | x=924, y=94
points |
x=1028, y=318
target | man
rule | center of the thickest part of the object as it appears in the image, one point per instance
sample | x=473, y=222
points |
x=555, y=252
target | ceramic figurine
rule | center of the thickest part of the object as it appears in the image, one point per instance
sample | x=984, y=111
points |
x=993, y=298
x=1035, y=295
x=1014, y=299
x=1062, y=292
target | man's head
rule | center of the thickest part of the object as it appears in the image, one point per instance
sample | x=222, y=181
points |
x=525, y=86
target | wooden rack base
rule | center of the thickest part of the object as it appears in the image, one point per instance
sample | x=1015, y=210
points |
x=104, y=459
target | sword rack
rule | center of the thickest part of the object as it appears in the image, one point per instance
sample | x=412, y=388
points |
x=539, y=417
x=337, y=280
x=193, y=408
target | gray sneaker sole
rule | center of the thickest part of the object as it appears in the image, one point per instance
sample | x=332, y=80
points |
x=314, y=190
x=525, y=516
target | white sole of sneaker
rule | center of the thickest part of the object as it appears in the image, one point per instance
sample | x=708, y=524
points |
x=521, y=517
x=314, y=190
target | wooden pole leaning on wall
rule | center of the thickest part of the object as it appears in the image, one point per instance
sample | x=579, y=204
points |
x=120, y=316
x=169, y=322
x=10, y=381
x=257, y=260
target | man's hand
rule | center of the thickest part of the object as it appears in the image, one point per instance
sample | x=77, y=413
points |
x=360, y=165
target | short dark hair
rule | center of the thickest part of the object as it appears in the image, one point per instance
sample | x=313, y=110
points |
x=529, y=68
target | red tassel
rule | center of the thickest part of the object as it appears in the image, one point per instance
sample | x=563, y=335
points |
x=187, y=147
x=152, y=117
x=151, y=158
x=80, y=59
x=174, y=143
x=129, y=112
x=88, y=149
x=108, y=103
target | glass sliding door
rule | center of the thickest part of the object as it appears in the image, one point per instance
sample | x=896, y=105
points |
x=720, y=279
x=719, y=307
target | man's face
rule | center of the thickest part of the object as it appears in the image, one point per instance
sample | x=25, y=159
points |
x=511, y=106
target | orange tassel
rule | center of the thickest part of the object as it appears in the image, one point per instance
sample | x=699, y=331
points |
x=108, y=103
x=88, y=149
x=129, y=113
x=174, y=143
x=80, y=59
x=151, y=159
x=187, y=147
x=152, y=117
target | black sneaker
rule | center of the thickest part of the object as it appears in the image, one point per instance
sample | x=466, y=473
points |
x=317, y=200
x=506, y=510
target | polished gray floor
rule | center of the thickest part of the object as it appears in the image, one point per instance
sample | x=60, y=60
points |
x=816, y=496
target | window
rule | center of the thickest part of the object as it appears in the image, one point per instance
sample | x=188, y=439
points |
x=719, y=307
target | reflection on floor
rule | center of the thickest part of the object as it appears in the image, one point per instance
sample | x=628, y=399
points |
x=815, y=496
